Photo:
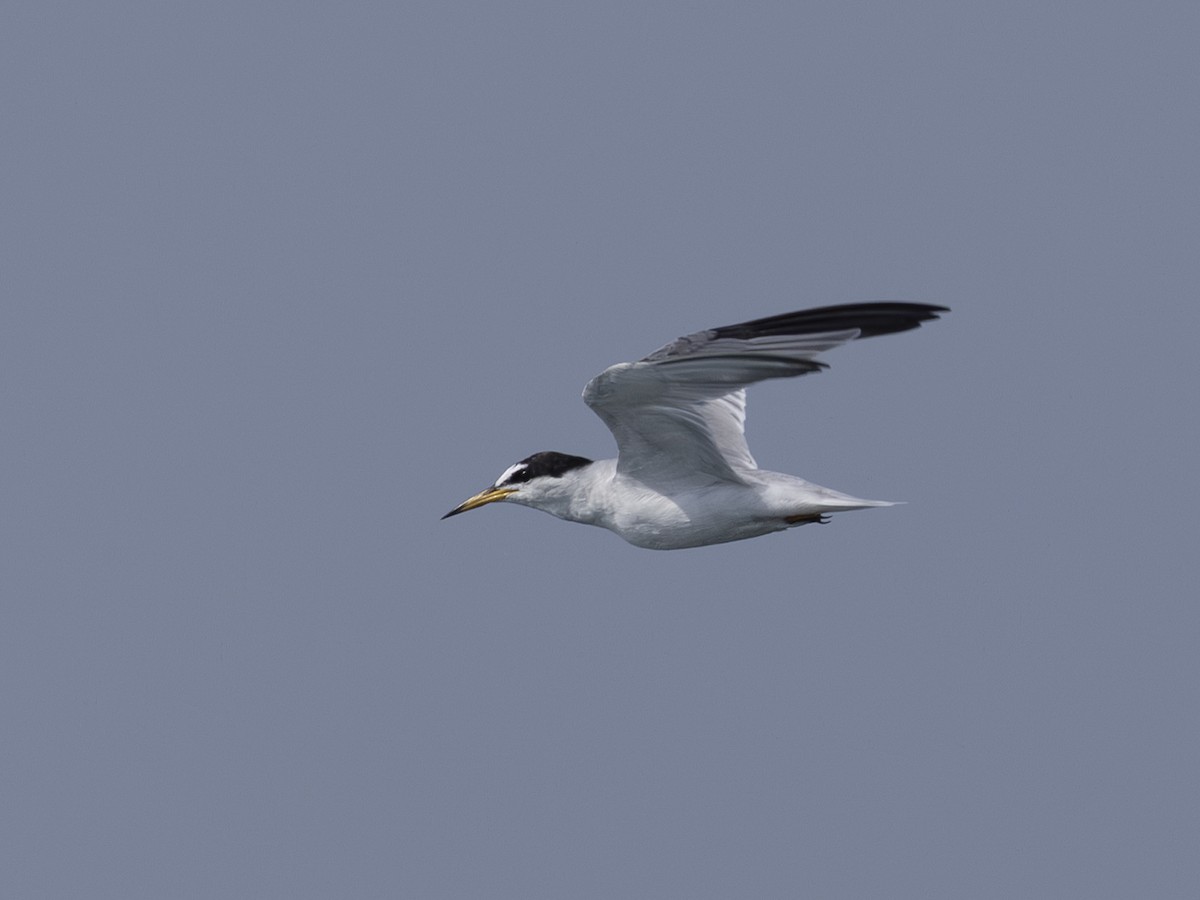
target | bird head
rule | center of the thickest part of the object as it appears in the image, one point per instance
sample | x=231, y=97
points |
x=534, y=481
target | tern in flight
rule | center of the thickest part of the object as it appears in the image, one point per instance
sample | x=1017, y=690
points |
x=684, y=476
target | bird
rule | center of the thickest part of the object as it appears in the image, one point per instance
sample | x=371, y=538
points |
x=683, y=476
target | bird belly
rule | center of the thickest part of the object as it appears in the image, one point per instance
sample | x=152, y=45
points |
x=715, y=515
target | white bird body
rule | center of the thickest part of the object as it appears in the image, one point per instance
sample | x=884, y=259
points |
x=684, y=476
x=713, y=513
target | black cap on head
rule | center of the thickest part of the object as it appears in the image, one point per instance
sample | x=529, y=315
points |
x=547, y=463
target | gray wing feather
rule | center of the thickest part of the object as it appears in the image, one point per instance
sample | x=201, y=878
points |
x=679, y=414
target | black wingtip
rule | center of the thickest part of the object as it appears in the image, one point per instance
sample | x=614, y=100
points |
x=870, y=319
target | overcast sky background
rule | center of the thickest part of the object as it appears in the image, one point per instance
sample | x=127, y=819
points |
x=283, y=283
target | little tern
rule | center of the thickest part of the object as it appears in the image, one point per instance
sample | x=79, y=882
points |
x=684, y=476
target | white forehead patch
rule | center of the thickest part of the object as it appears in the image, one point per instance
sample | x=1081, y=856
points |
x=511, y=471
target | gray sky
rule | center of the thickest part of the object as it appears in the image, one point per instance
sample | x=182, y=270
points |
x=284, y=283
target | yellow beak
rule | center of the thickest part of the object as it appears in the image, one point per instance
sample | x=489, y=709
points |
x=491, y=495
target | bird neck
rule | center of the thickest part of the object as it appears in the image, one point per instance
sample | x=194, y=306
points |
x=580, y=494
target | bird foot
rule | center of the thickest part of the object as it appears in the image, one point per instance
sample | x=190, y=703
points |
x=810, y=519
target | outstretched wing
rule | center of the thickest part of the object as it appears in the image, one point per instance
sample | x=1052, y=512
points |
x=679, y=414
